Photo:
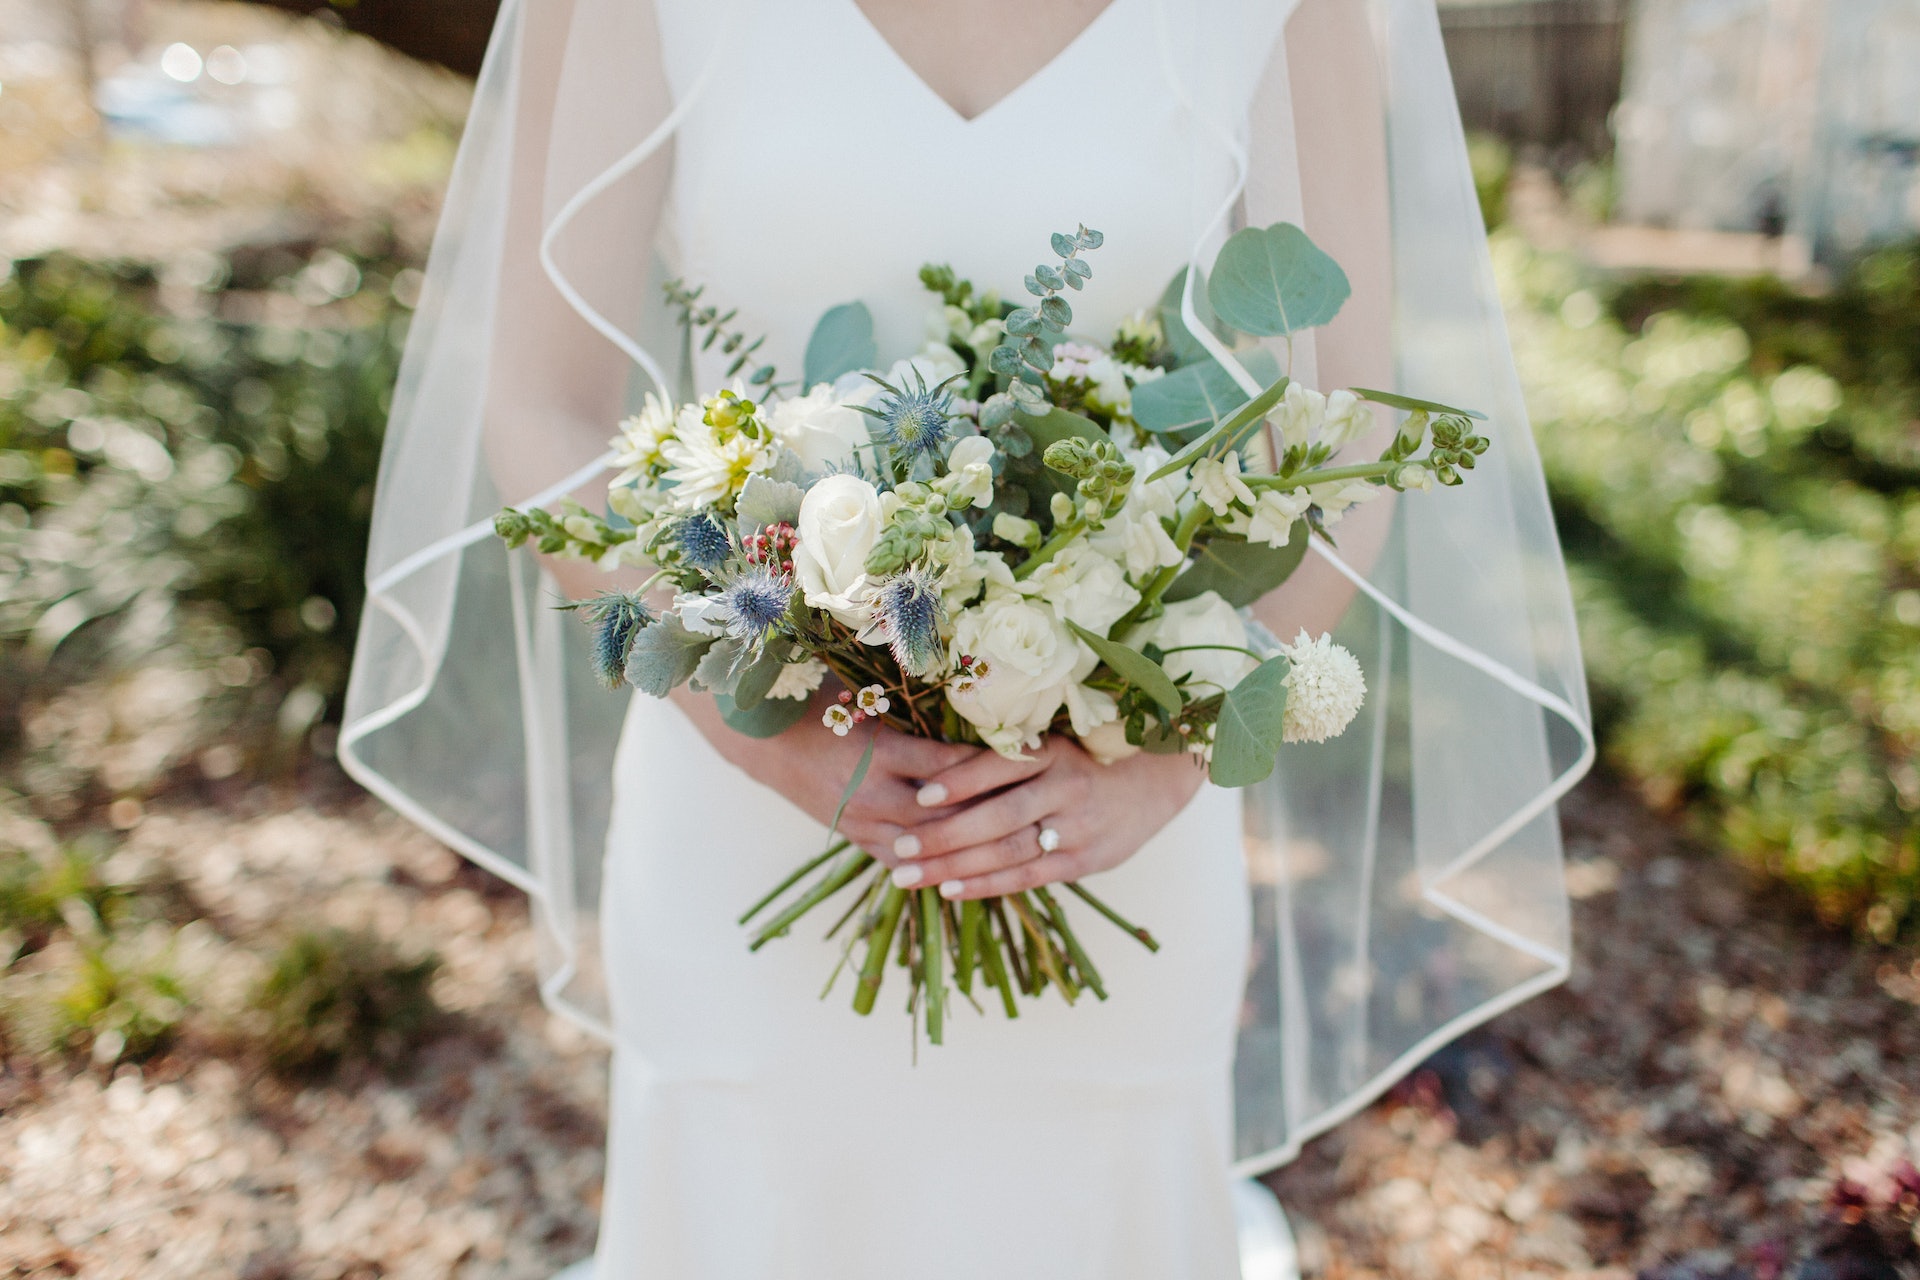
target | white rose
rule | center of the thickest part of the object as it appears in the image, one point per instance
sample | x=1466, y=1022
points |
x=1108, y=743
x=1348, y=418
x=1205, y=619
x=1032, y=660
x=821, y=430
x=839, y=523
x=936, y=363
x=970, y=472
x=1301, y=416
x=1083, y=586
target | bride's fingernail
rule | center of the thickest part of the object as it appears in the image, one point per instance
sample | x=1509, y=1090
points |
x=907, y=877
x=952, y=888
x=932, y=794
x=906, y=847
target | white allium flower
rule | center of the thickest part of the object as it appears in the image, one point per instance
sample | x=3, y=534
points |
x=1324, y=689
x=798, y=680
x=1218, y=482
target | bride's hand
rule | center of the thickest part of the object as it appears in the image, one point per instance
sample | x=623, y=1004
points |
x=985, y=847
x=810, y=765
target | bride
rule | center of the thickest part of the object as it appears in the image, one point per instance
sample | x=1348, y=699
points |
x=1320, y=934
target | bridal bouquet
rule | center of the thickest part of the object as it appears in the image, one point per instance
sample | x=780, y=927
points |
x=1011, y=534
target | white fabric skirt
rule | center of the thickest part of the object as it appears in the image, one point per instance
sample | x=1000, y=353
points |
x=759, y=1131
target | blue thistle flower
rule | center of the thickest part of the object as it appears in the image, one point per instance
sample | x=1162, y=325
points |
x=703, y=542
x=915, y=421
x=755, y=601
x=616, y=618
x=909, y=608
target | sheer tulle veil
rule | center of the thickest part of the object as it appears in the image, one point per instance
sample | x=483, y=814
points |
x=1407, y=879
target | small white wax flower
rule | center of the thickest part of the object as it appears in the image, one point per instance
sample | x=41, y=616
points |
x=872, y=700
x=1324, y=689
x=798, y=679
x=838, y=719
x=1218, y=482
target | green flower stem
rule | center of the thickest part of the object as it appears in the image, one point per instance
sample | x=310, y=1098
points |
x=865, y=901
x=1125, y=925
x=998, y=907
x=873, y=968
x=1326, y=475
x=1230, y=648
x=1183, y=535
x=1048, y=955
x=1049, y=549
x=933, y=961
x=856, y=861
x=995, y=966
x=1075, y=952
x=792, y=880
x=972, y=917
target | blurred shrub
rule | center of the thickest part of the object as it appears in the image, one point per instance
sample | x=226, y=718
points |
x=1492, y=161
x=190, y=454
x=341, y=996
x=1737, y=474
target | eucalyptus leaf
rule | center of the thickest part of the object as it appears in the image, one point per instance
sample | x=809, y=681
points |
x=1185, y=347
x=1239, y=572
x=664, y=656
x=1274, y=280
x=1136, y=668
x=1063, y=245
x=841, y=343
x=1245, y=416
x=1057, y=312
x=1158, y=740
x=769, y=718
x=1198, y=395
x=1248, y=734
x=750, y=690
x=765, y=502
x=1411, y=405
x=1056, y=425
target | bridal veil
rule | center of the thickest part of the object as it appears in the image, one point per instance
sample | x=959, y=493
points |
x=1407, y=879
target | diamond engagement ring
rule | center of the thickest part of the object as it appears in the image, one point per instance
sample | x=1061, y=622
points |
x=1049, y=839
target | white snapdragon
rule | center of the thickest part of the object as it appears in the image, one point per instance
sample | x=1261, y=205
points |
x=1300, y=416
x=1218, y=482
x=1137, y=537
x=1325, y=689
x=1032, y=660
x=1274, y=514
x=840, y=520
x=821, y=430
x=969, y=479
x=1084, y=587
x=1348, y=419
x=1334, y=499
x=798, y=680
x=1416, y=478
x=1206, y=619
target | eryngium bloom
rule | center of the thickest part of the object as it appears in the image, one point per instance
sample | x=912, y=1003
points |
x=754, y=602
x=702, y=542
x=915, y=421
x=616, y=618
x=908, y=607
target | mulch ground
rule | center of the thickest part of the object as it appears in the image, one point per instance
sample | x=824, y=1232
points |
x=1723, y=1091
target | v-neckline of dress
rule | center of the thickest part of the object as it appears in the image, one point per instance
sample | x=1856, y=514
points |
x=953, y=113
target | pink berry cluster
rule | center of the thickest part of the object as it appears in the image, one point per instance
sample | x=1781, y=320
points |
x=772, y=545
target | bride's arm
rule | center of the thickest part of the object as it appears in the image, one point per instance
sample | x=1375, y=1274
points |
x=1330, y=85
x=1340, y=138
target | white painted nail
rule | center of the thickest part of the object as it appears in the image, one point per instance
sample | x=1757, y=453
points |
x=952, y=888
x=907, y=877
x=907, y=846
x=931, y=795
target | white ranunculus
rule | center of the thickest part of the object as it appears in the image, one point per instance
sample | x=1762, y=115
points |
x=1348, y=419
x=1083, y=587
x=970, y=472
x=1032, y=660
x=1324, y=690
x=1205, y=619
x=798, y=680
x=1301, y=416
x=1218, y=482
x=839, y=523
x=821, y=431
x=1108, y=743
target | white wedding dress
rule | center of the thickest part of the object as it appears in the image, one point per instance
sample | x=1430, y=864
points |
x=759, y=1132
